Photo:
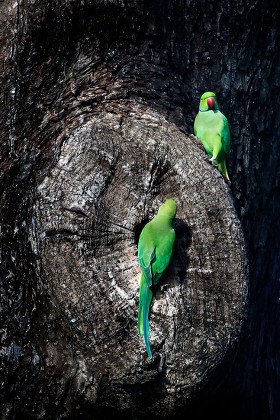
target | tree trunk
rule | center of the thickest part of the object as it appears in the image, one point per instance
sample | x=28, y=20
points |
x=99, y=102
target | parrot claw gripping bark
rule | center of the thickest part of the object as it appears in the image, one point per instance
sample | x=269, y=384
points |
x=155, y=249
x=212, y=129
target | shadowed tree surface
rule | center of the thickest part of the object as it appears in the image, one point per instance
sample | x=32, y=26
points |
x=99, y=99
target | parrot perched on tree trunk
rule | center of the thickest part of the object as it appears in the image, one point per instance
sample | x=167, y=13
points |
x=155, y=249
x=212, y=129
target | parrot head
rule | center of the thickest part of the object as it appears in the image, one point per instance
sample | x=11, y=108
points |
x=208, y=101
x=169, y=208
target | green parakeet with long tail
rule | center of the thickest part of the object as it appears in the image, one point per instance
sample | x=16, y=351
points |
x=212, y=129
x=155, y=249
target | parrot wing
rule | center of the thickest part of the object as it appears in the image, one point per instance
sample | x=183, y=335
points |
x=146, y=267
x=146, y=252
x=225, y=135
x=163, y=253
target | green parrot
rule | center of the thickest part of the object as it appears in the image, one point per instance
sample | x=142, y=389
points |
x=212, y=129
x=155, y=249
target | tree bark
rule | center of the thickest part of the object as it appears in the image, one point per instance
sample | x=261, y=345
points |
x=99, y=102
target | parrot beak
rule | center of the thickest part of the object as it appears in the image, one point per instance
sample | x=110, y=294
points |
x=211, y=102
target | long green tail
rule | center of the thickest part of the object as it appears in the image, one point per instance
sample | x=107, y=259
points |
x=145, y=298
x=223, y=169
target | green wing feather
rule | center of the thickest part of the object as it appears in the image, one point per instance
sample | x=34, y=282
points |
x=226, y=135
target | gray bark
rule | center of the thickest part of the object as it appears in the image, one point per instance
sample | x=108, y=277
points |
x=111, y=176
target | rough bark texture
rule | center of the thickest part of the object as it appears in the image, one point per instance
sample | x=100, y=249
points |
x=111, y=176
x=99, y=98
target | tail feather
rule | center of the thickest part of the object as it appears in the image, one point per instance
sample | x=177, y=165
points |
x=145, y=299
x=223, y=169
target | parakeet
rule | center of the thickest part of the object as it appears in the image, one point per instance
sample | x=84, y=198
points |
x=212, y=129
x=155, y=249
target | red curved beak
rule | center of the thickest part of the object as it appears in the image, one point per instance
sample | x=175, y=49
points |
x=211, y=102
